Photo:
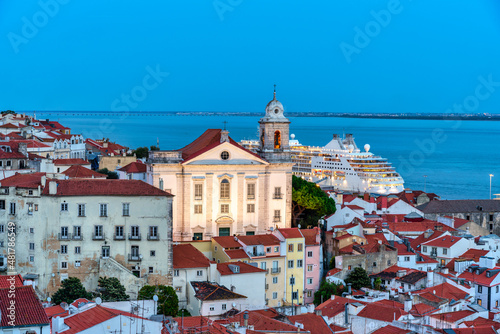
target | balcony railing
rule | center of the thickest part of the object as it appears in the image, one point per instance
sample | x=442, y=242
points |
x=66, y=236
x=134, y=236
x=276, y=219
x=251, y=197
x=134, y=257
x=253, y=254
x=77, y=236
x=154, y=237
x=98, y=236
x=278, y=196
x=118, y=236
x=275, y=270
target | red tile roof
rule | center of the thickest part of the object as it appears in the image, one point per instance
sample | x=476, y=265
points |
x=261, y=322
x=391, y=303
x=474, y=254
x=55, y=311
x=80, y=302
x=312, y=323
x=99, y=187
x=187, y=256
x=134, y=167
x=481, y=278
x=421, y=309
x=18, y=180
x=78, y=171
x=402, y=249
x=290, y=233
x=442, y=291
x=310, y=235
x=333, y=271
x=227, y=242
x=245, y=268
x=66, y=162
x=259, y=239
x=88, y=318
x=33, y=143
x=5, y=281
x=389, y=329
x=452, y=316
x=332, y=307
x=11, y=155
x=236, y=254
x=112, y=148
x=445, y=242
x=207, y=141
x=382, y=312
x=354, y=207
x=415, y=243
x=29, y=310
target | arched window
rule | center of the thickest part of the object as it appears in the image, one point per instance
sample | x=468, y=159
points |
x=224, y=189
x=277, y=139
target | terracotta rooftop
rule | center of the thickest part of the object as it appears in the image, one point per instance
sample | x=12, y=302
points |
x=421, y=309
x=244, y=268
x=332, y=307
x=445, y=242
x=99, y=187
x=310, y=235
x=442, y=291
x=29, y=310
x=227, y=242
x=209, y=139
x=91, y=317
x=473, y=254
x=481, y=276
x=452, y=316
x=5, y=281
x=290, y=233
x=56, y=311
x=415, y=243
x=134, y=167
x=212, y=291
x=18, y=180
x=236, y=254
x=261, y=323
x=311, y=322
x=78, y=171
x=187, y=256
x=259, y=239
x=381, y=312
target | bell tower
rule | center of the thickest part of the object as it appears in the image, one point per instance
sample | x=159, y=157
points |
x=274, y=133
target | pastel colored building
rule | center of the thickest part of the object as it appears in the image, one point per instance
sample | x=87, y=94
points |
x=314, y=262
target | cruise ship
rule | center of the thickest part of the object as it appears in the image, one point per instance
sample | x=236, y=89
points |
x=341, y=165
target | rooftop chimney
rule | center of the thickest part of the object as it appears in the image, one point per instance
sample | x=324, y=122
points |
x=487, y=262
x=366, y=197
x=384, y=203
x=408, y=304
x=43, y=180
x=52, y=188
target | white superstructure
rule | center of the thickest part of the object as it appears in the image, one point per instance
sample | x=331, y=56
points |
x=341, y=165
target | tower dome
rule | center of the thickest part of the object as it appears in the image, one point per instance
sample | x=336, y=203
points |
x=274, y=108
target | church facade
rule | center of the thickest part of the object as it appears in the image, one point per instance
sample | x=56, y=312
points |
x=223, y=189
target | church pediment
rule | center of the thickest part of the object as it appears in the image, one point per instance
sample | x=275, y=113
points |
x=226, y=154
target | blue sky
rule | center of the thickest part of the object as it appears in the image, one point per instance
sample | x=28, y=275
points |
x=225, y=55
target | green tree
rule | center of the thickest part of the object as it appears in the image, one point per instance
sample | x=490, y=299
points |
x=111, y=289
x=310, y=200
x=8, y=112
x=359, y=279
x=377, y=283
x=141, y=152
x=168, y=302
x=326, y=290
x=153, y=148
x=71, y=289
x=332, y=262
x=111, y=175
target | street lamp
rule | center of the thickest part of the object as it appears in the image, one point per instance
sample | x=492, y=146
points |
x=491, y=175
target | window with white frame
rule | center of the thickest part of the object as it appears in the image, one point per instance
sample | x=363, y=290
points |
x=198, y=191
x=125, y=209
x=103, y=210
x=64, y=265
x=81, y=210
x=251, y=191
x=199, y=273
x=64, y=206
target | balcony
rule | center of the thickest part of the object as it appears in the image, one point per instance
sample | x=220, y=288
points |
x=278, y=196
x=433, y=254
x=66, y=236
x=97, y=236
x=118, y=237
x=276, y=219
x=77, y=237
x=255, y=254
x=135, y=257
x=154, y=237
x=134, y=236
x=276, y=270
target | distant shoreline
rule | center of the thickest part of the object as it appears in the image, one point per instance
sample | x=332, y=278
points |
x=465, y=117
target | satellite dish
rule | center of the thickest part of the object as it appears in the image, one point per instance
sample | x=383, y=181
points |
x=98, y=301
x=155, y=298
x=49, y=299
x=367, y=148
